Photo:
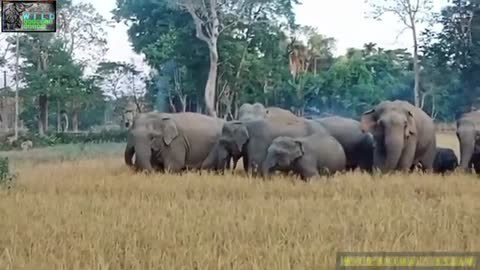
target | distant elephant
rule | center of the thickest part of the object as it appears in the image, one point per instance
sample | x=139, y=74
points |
x=358, y=145
x=256, y=111
x=179, y=140
x=310, y=156
x=248, y=111
x=445, y=160
x=251, y=139
x=468, y=134
x=404, y=136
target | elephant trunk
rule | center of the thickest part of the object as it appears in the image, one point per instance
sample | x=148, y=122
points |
x=467, y=147
x=267, y=166
x=129, y=152
x=143, y=154
x=394, y=142
x=223, y=159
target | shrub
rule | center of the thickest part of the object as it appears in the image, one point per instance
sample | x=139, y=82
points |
x=5, y=176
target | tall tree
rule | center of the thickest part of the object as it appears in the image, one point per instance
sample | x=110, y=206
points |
x=83, y=32
x=205, y=15
x=410, y=13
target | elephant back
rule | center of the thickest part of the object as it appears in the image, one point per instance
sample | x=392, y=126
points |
x=280, y=114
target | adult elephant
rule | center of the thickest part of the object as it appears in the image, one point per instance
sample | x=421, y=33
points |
x=358, y=146
x=256, y=111
x=468, y=133
x=251, y=139
x=177, y=140
x=404, y=136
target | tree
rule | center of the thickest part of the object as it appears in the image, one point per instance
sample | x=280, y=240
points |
x=411, y=13
x=452, y=56
x=207, y=25
x=82, y=30
x=118, y=81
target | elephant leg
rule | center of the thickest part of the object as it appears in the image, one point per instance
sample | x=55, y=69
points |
x=235, y=161
x=245, y=160
x=174, y=159
x=428, y=159
x=407, y=159
x=306, y=169
x=475, y=163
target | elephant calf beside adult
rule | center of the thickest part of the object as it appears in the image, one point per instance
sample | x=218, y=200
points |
x=173, y=141
x=251, y=139
x=404, y=136
x=310, y=156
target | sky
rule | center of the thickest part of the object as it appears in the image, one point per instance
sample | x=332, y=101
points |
x=345, y=20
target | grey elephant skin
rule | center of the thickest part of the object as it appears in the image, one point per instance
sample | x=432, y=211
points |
x=256, y=111
x=251, y=139
x=310, y=156
x=404, y=136
x=358, y=145
x=468, y=134
x=178, y=141
x=445, y=160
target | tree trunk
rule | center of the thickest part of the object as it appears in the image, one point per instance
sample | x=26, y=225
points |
x=65, y=117
x=416, y=66
x=183, y=102
x=59, y=118
x=75, y=121
x=212, y=81
x=43, y=117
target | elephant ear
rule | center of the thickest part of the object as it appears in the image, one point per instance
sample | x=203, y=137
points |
x=170, y=131
x=411, y=128
x=241, y=136
x=368, y=121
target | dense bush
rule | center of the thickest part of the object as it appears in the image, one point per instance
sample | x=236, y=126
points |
x=5, y=176
x=65, y=138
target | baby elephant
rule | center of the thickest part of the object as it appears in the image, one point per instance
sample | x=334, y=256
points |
x=308, y=157
x=445, y=160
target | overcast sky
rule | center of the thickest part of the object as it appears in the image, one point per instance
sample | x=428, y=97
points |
x=344, y=20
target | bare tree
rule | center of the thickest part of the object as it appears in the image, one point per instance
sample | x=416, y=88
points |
x=82, y=29
x=411, y=13
x=207, y=25
x=206, y=17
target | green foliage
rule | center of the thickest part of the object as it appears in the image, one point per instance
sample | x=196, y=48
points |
x=6, y=178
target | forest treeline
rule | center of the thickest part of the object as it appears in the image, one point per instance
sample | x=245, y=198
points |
x=212, y=57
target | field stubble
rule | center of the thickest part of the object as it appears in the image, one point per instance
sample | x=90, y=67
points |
x=96, y=214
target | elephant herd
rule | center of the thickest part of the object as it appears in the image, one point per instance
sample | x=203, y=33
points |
x=391, y=136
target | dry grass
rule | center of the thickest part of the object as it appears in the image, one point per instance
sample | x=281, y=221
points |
x=96, y=214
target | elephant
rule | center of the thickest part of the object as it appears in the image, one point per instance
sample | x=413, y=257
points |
x=219, y=159
x=251, y=139
x=358, y=145
x=445, y=160
x=172, y=141
x=257, y=111
x=404, y=135
x=468, y=134
x=251, y=111
x=310, y=156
